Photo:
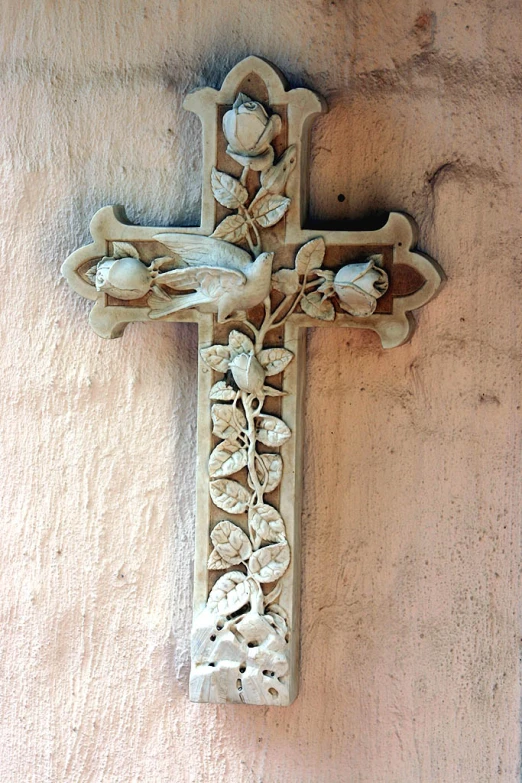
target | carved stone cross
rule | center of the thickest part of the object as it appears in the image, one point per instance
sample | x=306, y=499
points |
x=252, y=278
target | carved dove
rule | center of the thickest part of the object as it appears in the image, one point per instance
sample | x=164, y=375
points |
x=221, y=277
x=198, y=250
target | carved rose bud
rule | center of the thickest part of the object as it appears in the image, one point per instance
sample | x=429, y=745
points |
x=249, y=132
x=358, y=286
x=123, y=278
x=247, y=373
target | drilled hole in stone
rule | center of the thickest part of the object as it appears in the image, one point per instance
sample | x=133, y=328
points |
x=399, y=244
x=211, y=664
x=268, y=673
x=240, y=611
x=242, y=669
x=273, y=692
x=219, y=626
x=252, y=644
x=341, y=197
x=239, y=685
x=213, y=637
x=287, y=638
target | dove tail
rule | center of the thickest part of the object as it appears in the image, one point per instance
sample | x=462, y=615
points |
x=159, y=307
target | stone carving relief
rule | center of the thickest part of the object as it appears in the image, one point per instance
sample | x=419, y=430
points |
x=251, y=277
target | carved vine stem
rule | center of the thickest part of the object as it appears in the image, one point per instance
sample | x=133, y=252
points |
x=251, y=413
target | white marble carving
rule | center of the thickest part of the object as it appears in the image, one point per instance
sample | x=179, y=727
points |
x=252, y=277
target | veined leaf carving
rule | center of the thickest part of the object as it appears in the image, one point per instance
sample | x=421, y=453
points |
x=286, y=281
x=316, y=307
x=232, y=229
x=272, y=431
x=275, y=360
x=217, y=357
x=216, y=563
x=270, y=563
x=230, y=593
x=124, y=250
x=231, y=543
x=222, y=391
x=268, y=209
x=228, y=420
x=229, y=495
x=265, y=524
x=227, y=190
x=271, y=470
x=226, y=459
x=310, y=256
x=239, y=342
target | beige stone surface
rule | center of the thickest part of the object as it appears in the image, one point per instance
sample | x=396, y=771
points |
x=411, y=525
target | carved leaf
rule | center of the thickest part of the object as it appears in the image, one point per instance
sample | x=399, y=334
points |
x=277, y=622
x=228, y=420
x=277, y=615
x=240, y=343
x=275, y=360
x=226, y=459
x=230, y=593
x=124, y=250
x=229, y=495
x=273, y=595
x=286, y=281
x=231, y=543
x=270, y=562
x=232, y=229
x=269, y=391
x=217, y=357
x=310, y=256
x=268, y=210
x=265, y=524
x=326, y=274
x=272, y=431
x=216, y=562
x=227, y=190
x=91, y=274
x=273, y=465
x=316, y=307
x=222, y=391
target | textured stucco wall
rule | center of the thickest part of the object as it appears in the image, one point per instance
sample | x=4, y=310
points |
x=410, y=641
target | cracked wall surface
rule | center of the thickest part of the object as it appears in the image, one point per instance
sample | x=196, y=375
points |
x=412, y=491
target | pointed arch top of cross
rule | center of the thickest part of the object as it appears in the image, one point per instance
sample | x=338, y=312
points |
x=252, y=275
x=258, y=78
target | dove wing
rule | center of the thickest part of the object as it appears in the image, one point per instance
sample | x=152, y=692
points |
x=209, y=280
x=198, y=250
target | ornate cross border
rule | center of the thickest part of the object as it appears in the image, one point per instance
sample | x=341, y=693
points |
x=252, y=278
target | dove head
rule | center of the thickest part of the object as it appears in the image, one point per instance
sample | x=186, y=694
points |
x=264, y=261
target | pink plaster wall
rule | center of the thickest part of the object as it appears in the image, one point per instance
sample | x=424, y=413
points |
x=410, y=651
